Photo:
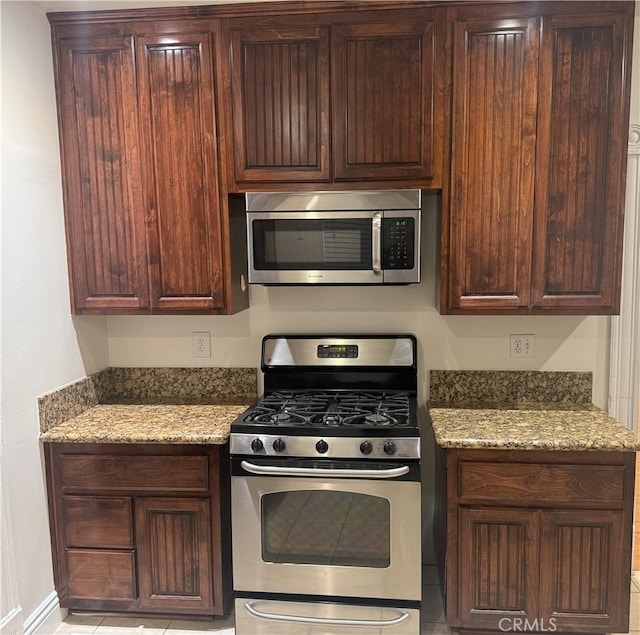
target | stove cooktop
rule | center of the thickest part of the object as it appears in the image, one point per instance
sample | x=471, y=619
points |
x=332, y=409
x=333, y=397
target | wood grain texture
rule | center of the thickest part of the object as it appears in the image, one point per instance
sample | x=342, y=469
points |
x=499, y=549
x=98, y=127
x=147, y=229
x=98, y=521
x=383, y=99
x=82, y=471
x=174, y=553
x=280, y=85
x=512, y=552
x=586, y=574
x=493, y=141
x=103, y=574
x=177, y=113
x=581, y=161
x=533, y=211
x=542, y=484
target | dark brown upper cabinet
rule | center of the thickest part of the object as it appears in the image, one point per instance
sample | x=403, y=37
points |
x=583, y=119
x=533, y=209
x=340, y=97
x=147, y=229
x=281, y=104
x=105, y=223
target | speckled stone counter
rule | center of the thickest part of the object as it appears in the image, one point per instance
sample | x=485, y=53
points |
x=148, y=405
x=530, y=429
x=522, y=411
x=147, y=424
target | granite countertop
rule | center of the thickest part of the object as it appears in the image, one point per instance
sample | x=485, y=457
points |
x=538, y=427
x=148, y=405
x=522, y=410
x=150, y=423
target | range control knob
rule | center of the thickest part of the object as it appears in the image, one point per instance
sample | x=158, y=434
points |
x=389, y=448
x=257, y=445
x=279, y=445
x=322, y=446
x=366, y=447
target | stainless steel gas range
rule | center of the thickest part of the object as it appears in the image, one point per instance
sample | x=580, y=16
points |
x=326, y=489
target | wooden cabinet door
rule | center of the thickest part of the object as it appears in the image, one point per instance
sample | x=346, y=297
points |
x=177, y=113
x=582, y=141
x=280, y=91
x=383, y=97
x=488, y=217
x=584, y=568
x=101, y=166
x=498, y=567
x=174, y=554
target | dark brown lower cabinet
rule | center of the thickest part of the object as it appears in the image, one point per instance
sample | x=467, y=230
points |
x=538, y=541
x=141, y=528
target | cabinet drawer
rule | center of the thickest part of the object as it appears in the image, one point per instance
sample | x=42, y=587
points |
x=541, y=483
x=104, y=575
x=97, y=522
x=134, y=473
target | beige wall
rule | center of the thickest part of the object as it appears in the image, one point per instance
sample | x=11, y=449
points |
x=562, y=343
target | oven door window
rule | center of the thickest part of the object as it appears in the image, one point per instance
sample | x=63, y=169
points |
x=322, y=244
x=326, y=528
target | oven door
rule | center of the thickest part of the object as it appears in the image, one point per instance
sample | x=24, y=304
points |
x=327, y=528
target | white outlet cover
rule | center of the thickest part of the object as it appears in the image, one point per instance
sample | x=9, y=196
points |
x=201, y=342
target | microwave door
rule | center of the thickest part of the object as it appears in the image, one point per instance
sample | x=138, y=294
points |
x=315, y=247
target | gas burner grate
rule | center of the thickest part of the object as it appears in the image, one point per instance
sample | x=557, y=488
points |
x=332, y=409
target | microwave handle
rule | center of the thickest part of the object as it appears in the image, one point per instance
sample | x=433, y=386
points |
x=376, y=244
x=402, y=617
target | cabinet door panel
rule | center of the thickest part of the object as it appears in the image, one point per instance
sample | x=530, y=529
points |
x=280, y=84
x=101, y=574
x=97, y=521
x=383, y=95
x=493, y=158
x=582, y=139
x=103, y=204
x=498, y=559
x=174, y=537
x=585, y=570
x=177, y=112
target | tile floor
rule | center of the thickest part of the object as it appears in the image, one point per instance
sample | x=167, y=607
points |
x=433, y=622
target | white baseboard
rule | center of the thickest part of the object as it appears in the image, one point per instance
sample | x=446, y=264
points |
x=46, y=618
x=11, y=624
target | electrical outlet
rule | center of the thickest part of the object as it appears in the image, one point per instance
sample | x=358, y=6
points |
x=201, y=341
x=523, y=346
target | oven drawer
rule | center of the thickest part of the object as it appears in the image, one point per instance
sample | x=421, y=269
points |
x=275, y=617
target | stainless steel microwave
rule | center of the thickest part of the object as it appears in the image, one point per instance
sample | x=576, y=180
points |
x=368, y=237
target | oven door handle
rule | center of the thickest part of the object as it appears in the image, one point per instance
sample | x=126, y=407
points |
x=274, y=470
x=402, y=617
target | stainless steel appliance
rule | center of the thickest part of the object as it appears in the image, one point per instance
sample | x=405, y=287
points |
x=326, y=489
x=368, y=237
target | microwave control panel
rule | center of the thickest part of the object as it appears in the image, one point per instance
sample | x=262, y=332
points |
x=398, y=243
